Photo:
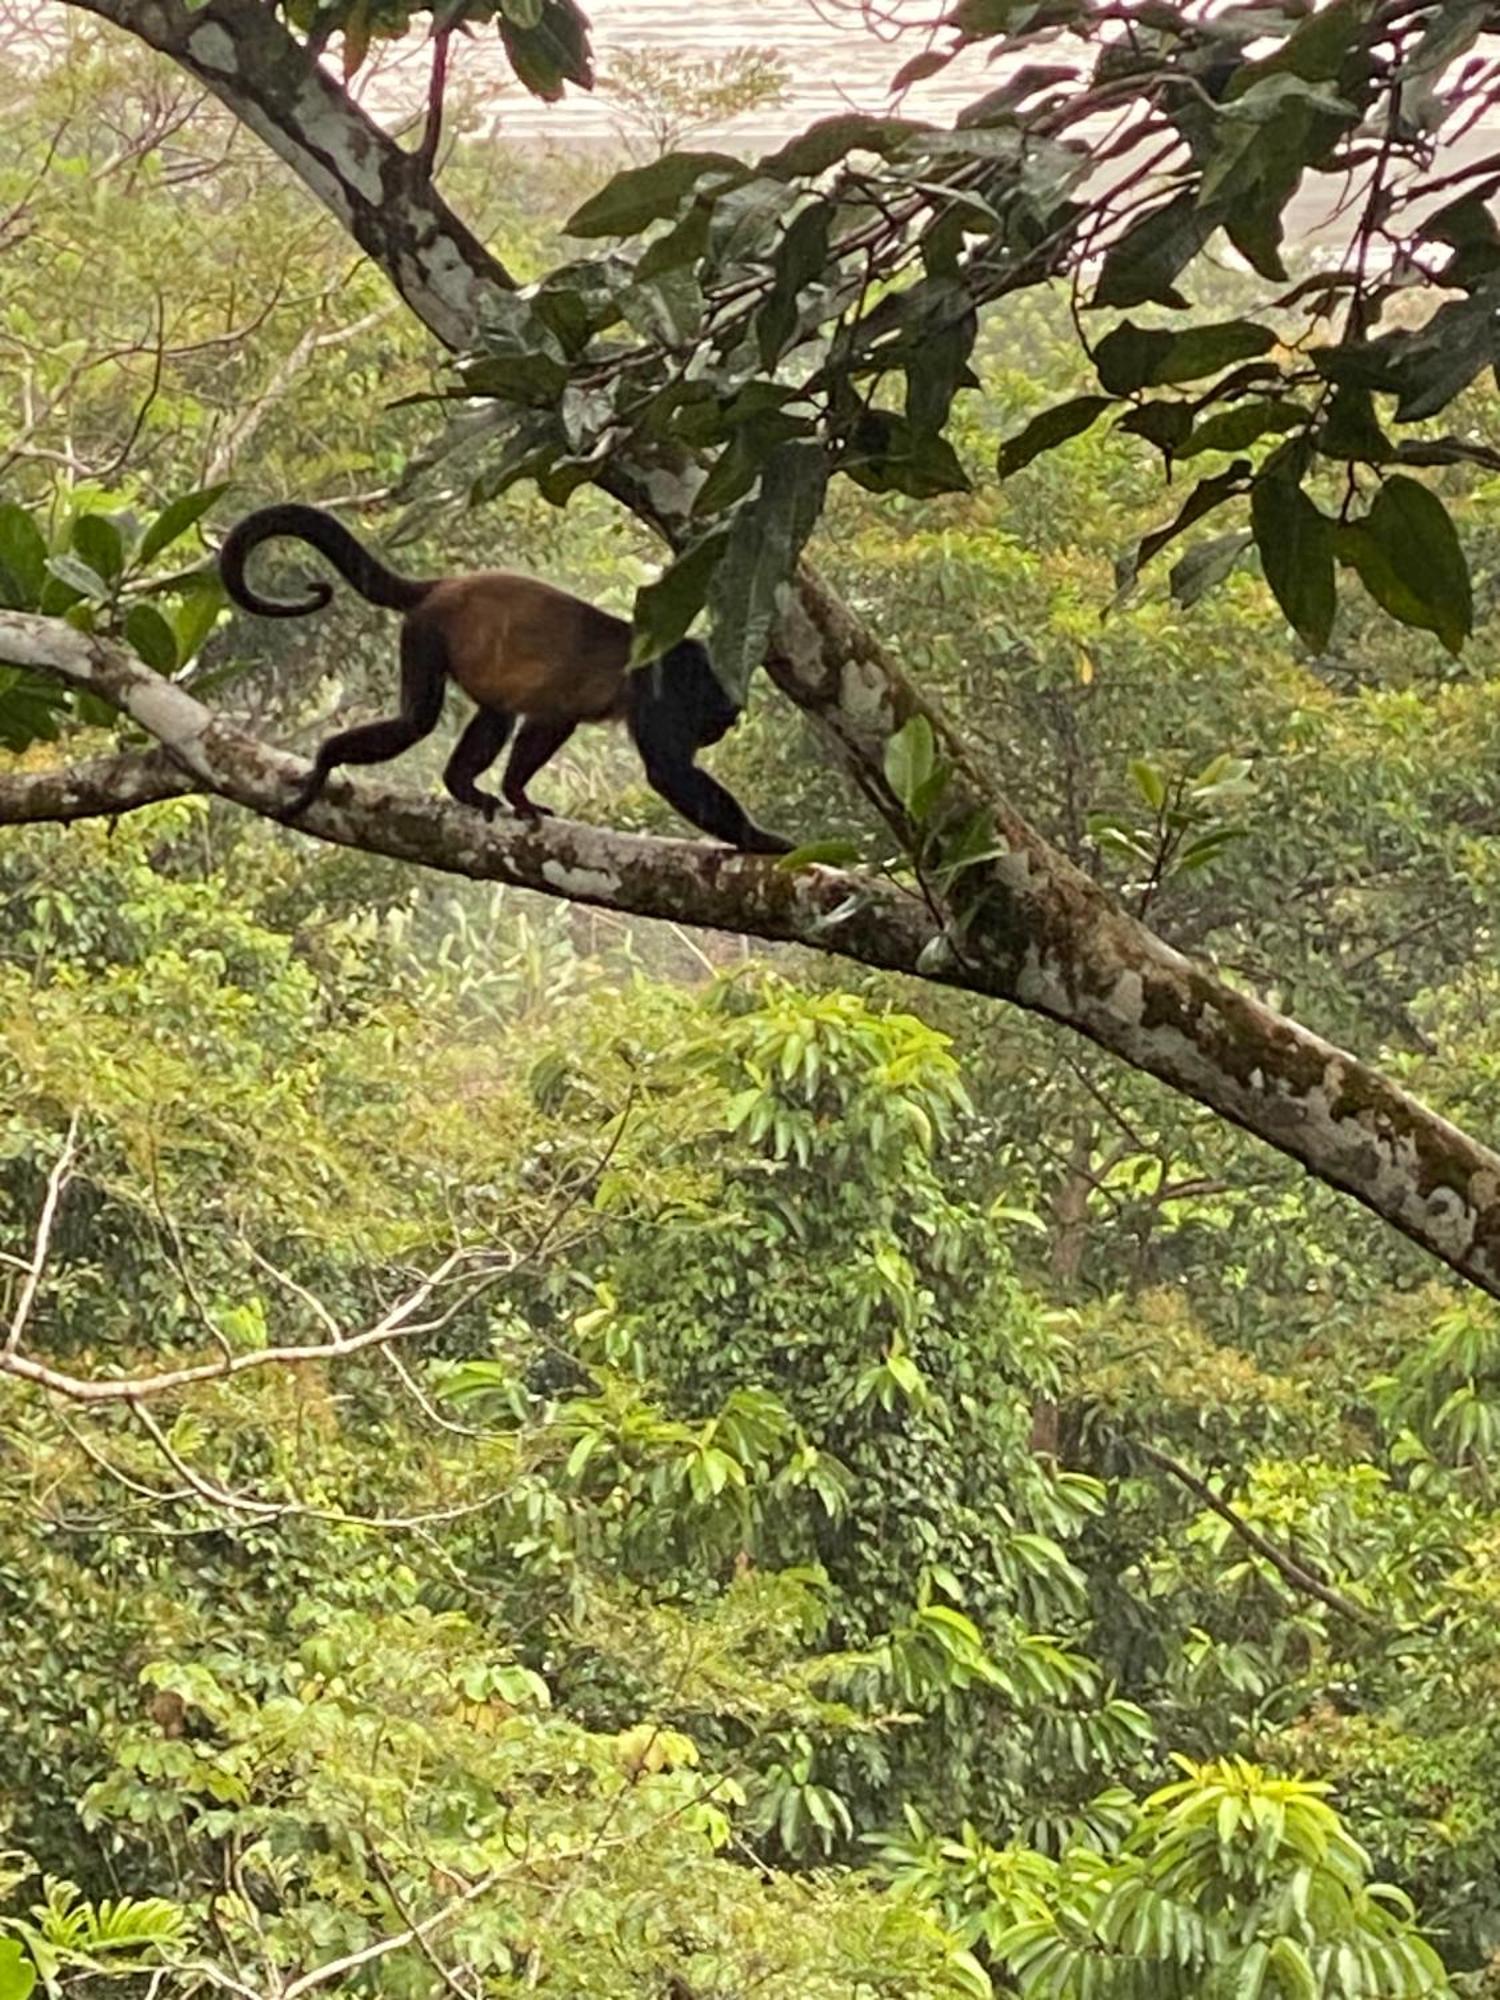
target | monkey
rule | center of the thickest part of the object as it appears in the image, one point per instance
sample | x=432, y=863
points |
x=519, y=648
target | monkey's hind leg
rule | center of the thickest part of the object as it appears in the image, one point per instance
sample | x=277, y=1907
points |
x=423, y=678
x=473, y=754
x=537, y=743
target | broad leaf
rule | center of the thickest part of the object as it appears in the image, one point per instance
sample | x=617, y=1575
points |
x=175, y=519
x=1141, y=267
x=17, y=1973
x=23, y=559
x=1295, y=542
x=551, y=54
x=148, y=634
x=1048, y=429
x=642, y=195
x=666, y=607
x=97, y=540
x=1205, y=566
x=1410, y=560
x=1137, y=357
x=763, y=546
x=910, y=757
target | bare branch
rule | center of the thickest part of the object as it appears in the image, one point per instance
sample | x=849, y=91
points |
x=400, y=1322
x=336, y=1968
x=1286, y=1567
x=57, y=1180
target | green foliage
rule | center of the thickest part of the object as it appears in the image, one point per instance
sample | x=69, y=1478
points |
x=1228, y=1881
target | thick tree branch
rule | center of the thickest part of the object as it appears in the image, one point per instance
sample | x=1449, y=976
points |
x=1045, y=939
x=98, y=787
x=382, y=195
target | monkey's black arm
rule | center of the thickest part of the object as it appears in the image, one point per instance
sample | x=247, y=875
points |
x=705, y=802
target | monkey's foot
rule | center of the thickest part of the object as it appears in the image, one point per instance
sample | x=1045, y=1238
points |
x=525, y=809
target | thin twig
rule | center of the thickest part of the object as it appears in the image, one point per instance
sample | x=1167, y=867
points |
x=57, y=1180
x=1287, y=1567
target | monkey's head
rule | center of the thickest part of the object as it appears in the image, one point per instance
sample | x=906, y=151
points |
x=689, y=673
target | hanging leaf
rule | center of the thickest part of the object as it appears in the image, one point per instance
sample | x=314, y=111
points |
x=1205, y=566
x=1295, y=542
x=1136, y=357
x=553, y=53
x=1204, y=498
x=23, y=559
x=666, y=608
x=761, y=551
x=1140, y=267
x=801, y=256
x=910, y=758
x=1407, y=554
x=148, y=634
x=1234, y=429
x=1050, y=428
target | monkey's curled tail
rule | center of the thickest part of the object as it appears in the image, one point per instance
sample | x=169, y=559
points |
x=354, y=562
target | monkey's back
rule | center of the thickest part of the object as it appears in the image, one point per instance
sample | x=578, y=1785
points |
x=516, y=643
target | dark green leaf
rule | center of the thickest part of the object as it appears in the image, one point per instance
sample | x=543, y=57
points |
x=641, y=195
x=746, y=219
x=801, y=256
x=176, y=518
x=684, y=243
x=31, y=709
x=1164, y=424
x=1049, y=429
x=1410, y=560
x=1295, y=542
x=553, y=53
x=666, y=608
x=764, y=543
x=1350, y=430
x=149, y=635
x=1143, y=264
x=1136, y=357
x=1234, y=429
x=828, y=141
x=97, y=540
x=888, y=456
x=668, y=309
x=23, y=559
x=945, y=328
x=1204, y=498
x=533, y=443
x=738, y=465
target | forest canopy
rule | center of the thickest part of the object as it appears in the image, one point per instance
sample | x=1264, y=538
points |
x=585, y=1413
